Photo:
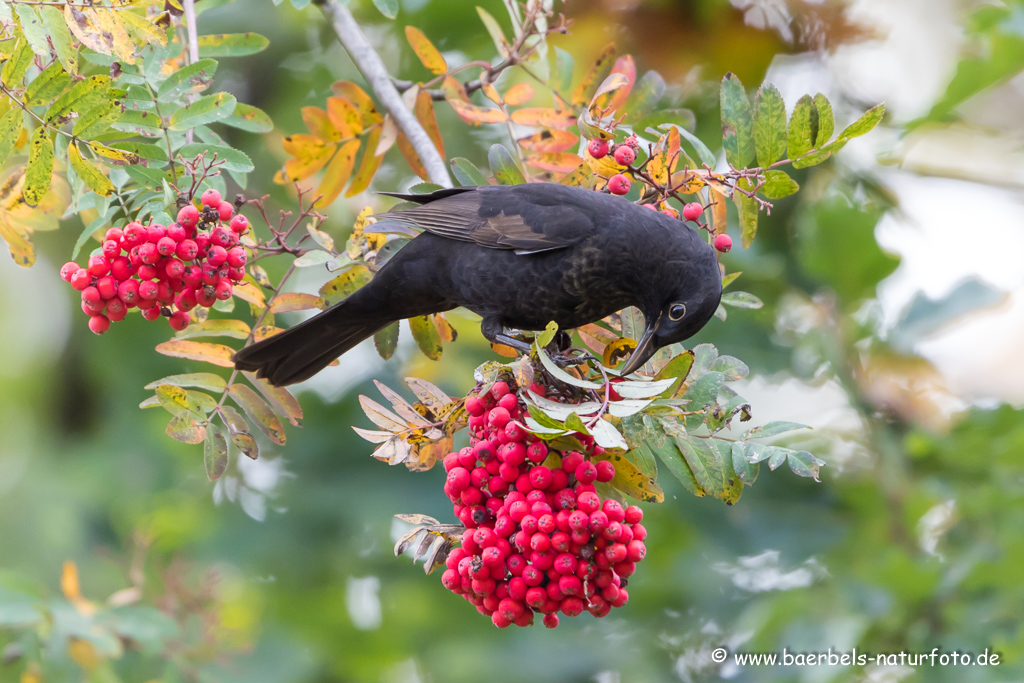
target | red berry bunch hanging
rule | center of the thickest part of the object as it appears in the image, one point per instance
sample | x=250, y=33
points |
x=163, y=270
x=538, y=537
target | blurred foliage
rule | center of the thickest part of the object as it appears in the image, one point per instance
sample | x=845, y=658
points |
x=911, y=542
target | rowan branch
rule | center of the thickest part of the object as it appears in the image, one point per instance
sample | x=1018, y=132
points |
x=376, y=74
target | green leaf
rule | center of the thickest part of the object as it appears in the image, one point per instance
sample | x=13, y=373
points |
x=705, y=154
x=673, y=460
x=231, y=45
x=732, y=369
x=145, y=123
x=769, y=125
x=386, y=340
x=17, y=64
x=706, y=464
x=741, y=300
x=826, y=120
x=677, y=368
x=424, y=331
x=50, y=82
x=40, y=166
x=574, y=423
x=258, y=411
x=33, y=30
x=805, y=464
x=778, y=184
x=10, y=128
x=644, y=97
x=238, y=428
x=494, y=29
x=234, y=160
x=503, y=166
x=467, y=173
x=746, y=207
x=60, y=36
x=96, y=120
x=204, y=110
x=80, y=97
x=193, y=78
x=865, y=124
x=91, y=175
x=89, y=230
x=249, y=118
x=747, y=471
x=772, y=429
x=803, y=127
x=545, y=337
x=704, y=391
x=564, y=63
x=199, y=380
x=389, y=8
x=344, y=285
x=560, y=374
x=215, y=453
x=737, y=122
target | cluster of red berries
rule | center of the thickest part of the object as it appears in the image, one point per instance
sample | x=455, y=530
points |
x=624, y=155
x=163, y=270
x=538, y=537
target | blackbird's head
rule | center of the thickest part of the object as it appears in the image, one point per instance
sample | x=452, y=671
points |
x=679, y=314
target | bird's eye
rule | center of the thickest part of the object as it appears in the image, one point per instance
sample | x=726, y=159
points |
x=677, y=311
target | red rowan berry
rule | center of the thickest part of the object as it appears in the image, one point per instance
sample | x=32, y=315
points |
x=624, y=155
x=99, y=265
x=239, y=224
x=176, y=232
x=723, y=243
x=218, y=255
x=116, y=310
x=99, y=324
x=111, y=249
x=618, y=184
x=188, y=216
x=134, y=233
x=550, y=621
x=165, y=246
x=598, y=148
x=225, y=210
x=586, y=472
x=68, y=270
x=237, y=257
x=537, y=452
x=692, y=211
x=106, y=286
x=151, y=313
x=605, y=471
x=211, y=198
x=498, y=417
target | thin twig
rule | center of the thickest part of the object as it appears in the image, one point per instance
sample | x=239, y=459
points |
x=193, y=47
x=370, y=65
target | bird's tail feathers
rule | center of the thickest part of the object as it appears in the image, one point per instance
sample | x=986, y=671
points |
x=304, y=350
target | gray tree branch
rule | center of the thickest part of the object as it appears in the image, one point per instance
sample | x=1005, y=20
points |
x=376, y=74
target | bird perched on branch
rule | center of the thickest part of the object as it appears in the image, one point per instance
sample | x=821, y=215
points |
x=520, y=256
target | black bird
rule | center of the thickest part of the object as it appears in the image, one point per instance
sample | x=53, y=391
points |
x=519, y=256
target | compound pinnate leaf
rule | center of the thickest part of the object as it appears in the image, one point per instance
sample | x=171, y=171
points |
x=259, y=411
x=631, y=481
x=769, y=125
x=293, y=301
x=737, y=122
x=466, y=172
x=60, y=37
x=597, y=73
x=337, y=173
x=249, y=118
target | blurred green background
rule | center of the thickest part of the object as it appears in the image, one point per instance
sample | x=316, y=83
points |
x=893, y=323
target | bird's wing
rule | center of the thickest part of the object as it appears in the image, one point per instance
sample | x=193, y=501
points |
x=527, y=219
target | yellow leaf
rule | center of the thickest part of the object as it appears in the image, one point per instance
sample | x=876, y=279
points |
x=72, y=589
x=83, y=652
x=363, y=103
x=258, y=411
x=337, y=174
x=631, y=481
x=688, y=182
x=319, y=124
x=425, y=50
x=544, y=117
x=17, y=239
x=310, y=154
x=411, y=157
x=344, y=285
x=90, y=174
x=519, y=94
x=658, y=166
x=444, y=328
x=40, y=167
x=293, y=301
x=468, y=112
x=424, y=111
x=217, y=354
x=142, y=28
x=344, y=117
x=117, y=156
x=247, y=291
x=505, y=351
x=100, y=30
x=265, y=332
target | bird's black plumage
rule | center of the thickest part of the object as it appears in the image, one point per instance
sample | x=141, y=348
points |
x=519, y=256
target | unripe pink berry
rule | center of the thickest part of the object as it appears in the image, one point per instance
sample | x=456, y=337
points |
x=723, y=243
x=692, y=211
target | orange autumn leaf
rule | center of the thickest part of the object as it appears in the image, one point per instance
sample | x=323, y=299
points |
x=613, y=100
x=467, y=111
x=557, y=162
x=519, y=94
x=363, y=103
x=338, y=172
x=411, y=157
x=553, y=140
x=310, y=154
x=544, y=117
x=425, y=50
x=344, y=117
x=368, y=165
x=585, y=90
x=424, y=111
